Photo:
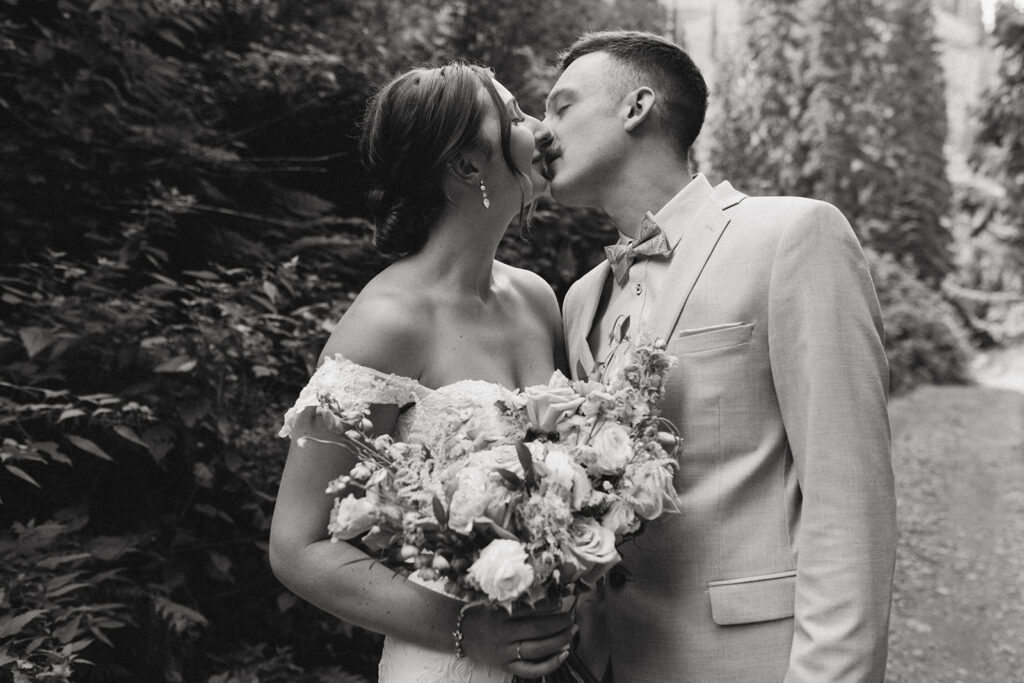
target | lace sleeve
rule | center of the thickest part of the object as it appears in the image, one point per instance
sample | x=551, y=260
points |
x=351, y=389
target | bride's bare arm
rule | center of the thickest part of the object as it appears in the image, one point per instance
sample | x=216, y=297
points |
x=338, y=577
x=342, y=580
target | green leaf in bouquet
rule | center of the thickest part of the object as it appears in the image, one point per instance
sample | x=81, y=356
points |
x=526, y=460
x=487, y=524
x=439, y=512
x=378, y=539
x=511, y=478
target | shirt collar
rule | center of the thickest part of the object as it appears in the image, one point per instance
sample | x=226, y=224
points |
x=672, y=217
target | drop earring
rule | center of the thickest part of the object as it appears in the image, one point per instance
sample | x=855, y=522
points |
x=483, y=192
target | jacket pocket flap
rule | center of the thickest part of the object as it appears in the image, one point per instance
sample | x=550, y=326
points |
x=753, y=599
x=691, y=341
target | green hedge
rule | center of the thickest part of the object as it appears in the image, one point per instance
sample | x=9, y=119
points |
x=924, y=339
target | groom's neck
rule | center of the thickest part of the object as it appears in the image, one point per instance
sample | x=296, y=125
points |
x=644, y=185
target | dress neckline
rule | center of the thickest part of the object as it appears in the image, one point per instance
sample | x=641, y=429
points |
x=337, y=358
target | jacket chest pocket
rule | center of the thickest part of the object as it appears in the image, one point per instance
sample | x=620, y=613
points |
x=710, y=338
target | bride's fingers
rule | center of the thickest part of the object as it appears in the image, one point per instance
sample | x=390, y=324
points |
x=534, y=627
x=534, y=650
x=526, y=669
x=545, y=607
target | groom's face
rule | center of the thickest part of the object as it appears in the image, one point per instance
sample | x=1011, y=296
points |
x=586, y=124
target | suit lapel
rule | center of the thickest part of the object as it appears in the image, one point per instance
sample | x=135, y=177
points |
x=703, y=228
x=579, y=322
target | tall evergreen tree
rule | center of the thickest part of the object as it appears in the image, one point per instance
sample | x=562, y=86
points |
x=1000, y=142
x=912, y=213
x=843, y=128
x=759, y=98
x=990, y=206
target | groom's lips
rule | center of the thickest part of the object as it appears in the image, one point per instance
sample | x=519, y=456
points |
x=546, y=167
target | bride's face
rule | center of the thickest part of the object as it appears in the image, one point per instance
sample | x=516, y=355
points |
x=526, y=131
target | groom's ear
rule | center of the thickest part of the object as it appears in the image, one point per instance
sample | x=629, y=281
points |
x=464, y=168
x=639, y=104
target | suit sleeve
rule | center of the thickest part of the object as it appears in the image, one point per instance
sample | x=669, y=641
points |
x=831, y=377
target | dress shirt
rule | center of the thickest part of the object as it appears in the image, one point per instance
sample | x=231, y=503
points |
x=638, y=296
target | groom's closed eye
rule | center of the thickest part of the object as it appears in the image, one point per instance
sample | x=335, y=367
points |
x=558, y=102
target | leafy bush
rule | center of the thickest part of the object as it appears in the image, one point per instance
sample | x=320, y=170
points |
x=166, y=396
x=924, y=340
x=59, y=598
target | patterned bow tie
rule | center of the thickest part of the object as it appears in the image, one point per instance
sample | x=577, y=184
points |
x=650, y=242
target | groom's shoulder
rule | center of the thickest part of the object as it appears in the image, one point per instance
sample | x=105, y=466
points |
x=778, y=205
x=784, y=211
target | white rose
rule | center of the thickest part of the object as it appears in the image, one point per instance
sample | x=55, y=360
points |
x=559, y=466
x=504, y=457
x=502, y=571
x=592, y=543
x=351, y=516
x=613, y=449
x=563, y=471
x=652, y=486
x=476, y=495
x=620, y=519
x=549, y=404
x=485, y=427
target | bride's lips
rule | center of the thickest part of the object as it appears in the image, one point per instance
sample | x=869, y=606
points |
x=545, y=161
x=542, y=166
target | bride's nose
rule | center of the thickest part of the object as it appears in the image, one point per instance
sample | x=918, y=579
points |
x=542, y=136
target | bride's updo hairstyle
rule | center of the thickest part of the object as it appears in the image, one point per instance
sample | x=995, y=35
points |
x=414, y=126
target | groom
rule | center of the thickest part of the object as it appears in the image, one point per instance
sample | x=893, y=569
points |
x=780, y=565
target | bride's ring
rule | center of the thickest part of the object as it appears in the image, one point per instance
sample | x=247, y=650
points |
x=519, y=652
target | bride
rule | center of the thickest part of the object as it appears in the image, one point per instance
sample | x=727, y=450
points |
x=442, y=332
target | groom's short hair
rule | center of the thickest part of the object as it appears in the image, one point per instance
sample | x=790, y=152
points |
x=648, y=59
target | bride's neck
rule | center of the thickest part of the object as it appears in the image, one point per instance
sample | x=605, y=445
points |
x=461, y=249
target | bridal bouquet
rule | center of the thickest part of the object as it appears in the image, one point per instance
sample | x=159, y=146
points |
x=510, y=524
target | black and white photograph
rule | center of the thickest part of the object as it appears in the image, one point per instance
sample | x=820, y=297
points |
x=453, y=341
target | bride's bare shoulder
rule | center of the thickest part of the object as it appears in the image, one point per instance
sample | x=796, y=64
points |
x=534, y=290
x=383, y=327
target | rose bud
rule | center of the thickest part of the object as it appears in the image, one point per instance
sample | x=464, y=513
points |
x=668, y=439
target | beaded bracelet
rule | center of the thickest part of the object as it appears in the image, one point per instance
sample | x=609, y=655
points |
x=457, y=634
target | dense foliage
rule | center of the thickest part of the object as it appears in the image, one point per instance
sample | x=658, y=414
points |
x=180, y=208
x=990, y=279
x=849, y=107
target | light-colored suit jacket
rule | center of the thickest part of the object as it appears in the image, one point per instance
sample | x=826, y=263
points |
x=780, y=565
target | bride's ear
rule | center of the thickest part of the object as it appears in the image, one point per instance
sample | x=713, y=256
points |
x=465, y=169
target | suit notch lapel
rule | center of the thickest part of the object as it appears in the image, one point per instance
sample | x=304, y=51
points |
x=580, y=322
x=700, y=237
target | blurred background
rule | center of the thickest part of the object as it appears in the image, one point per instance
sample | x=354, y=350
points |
x=182, y=223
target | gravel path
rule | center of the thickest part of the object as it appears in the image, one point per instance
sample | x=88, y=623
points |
x=958, y=604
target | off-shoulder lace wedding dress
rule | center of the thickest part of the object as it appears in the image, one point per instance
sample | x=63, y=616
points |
x=433, y=417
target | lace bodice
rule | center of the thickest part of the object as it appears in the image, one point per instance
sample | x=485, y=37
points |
x=447, y=420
